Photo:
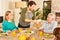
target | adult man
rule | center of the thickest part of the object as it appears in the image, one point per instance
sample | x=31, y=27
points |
x=49, y=25
x=26, y=17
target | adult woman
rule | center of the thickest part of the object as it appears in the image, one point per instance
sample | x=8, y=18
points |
x=8, y=24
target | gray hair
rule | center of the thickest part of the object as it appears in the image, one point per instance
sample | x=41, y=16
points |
x=52, y=15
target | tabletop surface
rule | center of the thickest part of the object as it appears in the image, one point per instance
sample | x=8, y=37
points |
x=35, y=35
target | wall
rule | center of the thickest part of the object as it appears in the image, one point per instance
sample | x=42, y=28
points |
x=55, y=6
x=0, y=8
x=3, y=6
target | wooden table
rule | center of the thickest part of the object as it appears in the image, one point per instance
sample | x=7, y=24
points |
x=35, y=35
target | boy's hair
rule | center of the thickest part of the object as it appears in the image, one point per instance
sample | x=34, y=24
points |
x=31, y=3
x=56, y=32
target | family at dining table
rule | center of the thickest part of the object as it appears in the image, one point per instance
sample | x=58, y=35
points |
x=48, y=26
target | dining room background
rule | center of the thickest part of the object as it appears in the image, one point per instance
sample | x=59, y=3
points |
x=10, y=5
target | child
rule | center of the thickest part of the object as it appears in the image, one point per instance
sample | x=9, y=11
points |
x=56, y=33
x=8, y=24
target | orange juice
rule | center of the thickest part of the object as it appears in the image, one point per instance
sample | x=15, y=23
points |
x=33, y=38
x=41, y=33
x=13, y=33
x=22, y=37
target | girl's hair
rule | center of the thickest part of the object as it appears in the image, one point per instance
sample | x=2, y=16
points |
x=6, y=14
x=56, y=32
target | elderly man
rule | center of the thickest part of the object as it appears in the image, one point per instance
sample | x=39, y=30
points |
x=50, y=24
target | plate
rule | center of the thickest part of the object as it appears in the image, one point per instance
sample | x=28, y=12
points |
x=28, y=31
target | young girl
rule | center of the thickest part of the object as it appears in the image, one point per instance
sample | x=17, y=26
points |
x=8, y=24
x=56, y=33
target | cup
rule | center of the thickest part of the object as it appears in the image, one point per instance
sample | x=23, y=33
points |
x=41, y=33
x=13, y=33
x=22, y=37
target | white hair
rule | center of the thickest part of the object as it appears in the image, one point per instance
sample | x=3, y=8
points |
x=52, y=16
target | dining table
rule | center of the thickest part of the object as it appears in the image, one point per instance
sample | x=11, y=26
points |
x=31, y=35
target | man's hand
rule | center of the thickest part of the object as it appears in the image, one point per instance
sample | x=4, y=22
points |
x=34, y=21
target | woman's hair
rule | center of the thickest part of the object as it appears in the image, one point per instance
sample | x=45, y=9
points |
x=6, y=14
x=56, y=32
x=31, y=3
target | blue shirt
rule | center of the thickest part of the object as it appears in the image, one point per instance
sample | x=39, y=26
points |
x=49, y=27
x=6, y=26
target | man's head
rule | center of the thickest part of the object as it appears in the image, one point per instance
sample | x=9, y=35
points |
x=31, y=5
x=50, y=17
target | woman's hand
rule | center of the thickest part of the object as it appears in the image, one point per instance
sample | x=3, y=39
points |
x=9, y=32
